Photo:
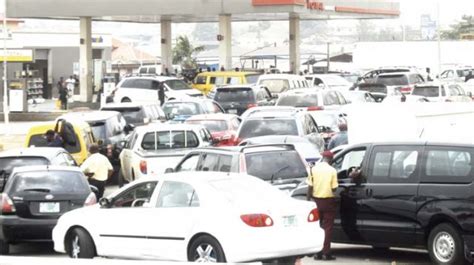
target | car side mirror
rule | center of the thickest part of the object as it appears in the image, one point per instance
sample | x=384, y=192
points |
x=121, y=144
x=105, y=202
x=169, y=170
x=129, y=128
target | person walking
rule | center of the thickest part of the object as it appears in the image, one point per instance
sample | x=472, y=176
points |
x=63, y=93
x=98, y=169
x=340, y=138
x=322, y=183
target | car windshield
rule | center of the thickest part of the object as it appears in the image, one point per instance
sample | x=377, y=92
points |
x=98, y=129
x=263, y=127
x=181, y=108
x=428, y=91
x=177, y=84
x=234, y=95
x=284, y=165
x=392, y=80
x=301, y=101
x=275, y=85
x=58, y=182
x=131, y=115
x=212, y=125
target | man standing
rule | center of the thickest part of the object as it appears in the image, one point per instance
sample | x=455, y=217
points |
x=98, y=169
x=340, y=138
x=322, y=183
x=63, y=93
x=161, y=93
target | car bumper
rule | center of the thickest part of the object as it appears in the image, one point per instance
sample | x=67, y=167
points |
x=17, y=229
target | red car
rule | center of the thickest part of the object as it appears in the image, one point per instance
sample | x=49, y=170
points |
x=223, y=127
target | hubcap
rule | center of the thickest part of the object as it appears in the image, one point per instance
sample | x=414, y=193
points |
x=75, y=248
x=205, y=253
x=444, y=247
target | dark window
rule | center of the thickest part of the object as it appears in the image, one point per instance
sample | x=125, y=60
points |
x=426, y=91
x=394, y=164
x=279, y=164
x=212, y=80
x=7, y=164
x=393, y=80
x=448, y=165
x=128, y=83
x=135, y=196
x=177, y=84
x=252, y=79
x=169, y=140
x=254, y=128
x=300, y=101
x=64, y=182
x=200, y=80
x=234, y=95
x=131, y=115
x=182, y=108
x=39, y=140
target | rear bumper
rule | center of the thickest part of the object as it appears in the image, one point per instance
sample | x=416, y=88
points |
x=17, y=229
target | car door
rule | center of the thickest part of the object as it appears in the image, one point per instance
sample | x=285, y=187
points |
x=172, y=220
x=126, y=157
x=189, y=163
x=122, y=228
x=390, y=195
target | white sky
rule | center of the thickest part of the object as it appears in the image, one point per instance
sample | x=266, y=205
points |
x=450, y=10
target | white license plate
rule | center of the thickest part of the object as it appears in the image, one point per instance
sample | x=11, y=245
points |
x=290, y=221
x=232, y=111
x=49, y=207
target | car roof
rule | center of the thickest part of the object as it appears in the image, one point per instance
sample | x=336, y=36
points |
x=112, y=106
x=274, y=114
x=153, y=77
x=280, y=76
x=198, y=177
x=92, y=115
x=188, y=100
x=395, y=73
x=45, y=168
x=285, y=139
x=304, y=91
x=247, y=149
x=47, y=152
x=238, y=86
x=168, y=127
x=212, y=116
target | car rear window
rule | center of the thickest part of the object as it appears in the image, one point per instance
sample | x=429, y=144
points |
x=392, y=80
x=373, y=88
x=301, y=101
x=57, y=182
x=252, y=79
x=275, y=85
x=263, y=127
x=284, y=165
x=177, y=84
x=431, y=91
x=7, y=164
x=98, y=129
x=234, y=95
x=181, y=108
x=169, y=140
x=131, y=115
x=211, y=125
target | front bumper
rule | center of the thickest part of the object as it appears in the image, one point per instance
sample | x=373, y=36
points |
x=17, y=229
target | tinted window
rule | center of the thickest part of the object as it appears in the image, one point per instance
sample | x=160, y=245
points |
x=177, y=194
x=131, y=115
x=393, y=80
x=284, y=165
x=51, y=181
x=128, y=83
x=394, y=165
x=211, y=125
x=234, y=95
x=142, y=192
x=431, y=91
x=275, y=85
x=99, y=130
x=351, y=159
x=373, y=88
x=177, y=84
x=254, y=128
x=200, y=80
x=252, y=79
x=7, y=164
x=449, y=165
x=39, y=140
x=298, y=100
x=169, y=140
x=182, y=108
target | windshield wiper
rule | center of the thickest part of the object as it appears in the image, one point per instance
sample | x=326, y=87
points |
x=276, y=172
x=39, y=190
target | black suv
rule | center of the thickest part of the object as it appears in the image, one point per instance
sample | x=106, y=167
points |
x=413, y=195
x=279, y=164
x=237, y=99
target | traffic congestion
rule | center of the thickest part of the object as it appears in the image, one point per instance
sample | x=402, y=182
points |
x=232, y=166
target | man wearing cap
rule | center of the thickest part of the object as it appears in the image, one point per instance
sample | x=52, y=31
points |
x=97, y=168
x=322, y=183
x=340, y=138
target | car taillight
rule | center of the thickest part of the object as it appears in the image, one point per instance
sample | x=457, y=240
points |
x=251, y=105
x=143, y=167
x=405, y=89
x=6, y=205
x=315, y=108
x=91, y=200
x=257, y=220
x=313, y=215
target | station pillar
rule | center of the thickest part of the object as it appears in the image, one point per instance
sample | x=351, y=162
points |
x=225, y=42
x=85, y=59
x=166, y=46
x=295, y=39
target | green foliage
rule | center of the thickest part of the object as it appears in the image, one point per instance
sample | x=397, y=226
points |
x=184, y=51
x=465, y=26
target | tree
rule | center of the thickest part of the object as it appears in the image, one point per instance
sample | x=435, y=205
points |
x=183, y=52
x=465, y=26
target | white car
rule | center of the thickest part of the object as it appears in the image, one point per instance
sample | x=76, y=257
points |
x=329, y=81
x=442, y=92
x=193, y=216
x=277, y=83
x=153, y=148
x=312, y=100
x=145, y=89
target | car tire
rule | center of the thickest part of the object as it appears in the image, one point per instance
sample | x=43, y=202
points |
x=445, y=245
x=125, y=100
x=4, y=248
x=81, y=245
x=205, y=249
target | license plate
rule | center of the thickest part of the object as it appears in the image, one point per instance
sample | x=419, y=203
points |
x=49, y=207
x=232, y=111
x=290, y=221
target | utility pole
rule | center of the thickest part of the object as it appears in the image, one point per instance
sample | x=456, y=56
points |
x=6, y=110
x=438, y=31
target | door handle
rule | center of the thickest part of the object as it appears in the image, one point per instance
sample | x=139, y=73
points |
x=368, y=192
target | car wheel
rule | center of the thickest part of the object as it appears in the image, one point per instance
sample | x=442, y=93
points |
x=4, y=248
x=445, y=245
x=206, y=249
x=124, y=100
x=81, y=245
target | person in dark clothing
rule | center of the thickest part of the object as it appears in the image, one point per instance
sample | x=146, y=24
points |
x=208, y=69
x=161, y=93
x=63, y=93
x=167, y=72
x=428, y=74
x=469, y=76
x=53, y=139
x=222, y=69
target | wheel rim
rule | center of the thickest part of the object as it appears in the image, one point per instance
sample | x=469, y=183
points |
x=75, y=248
x=444, y=247
x=205, y=253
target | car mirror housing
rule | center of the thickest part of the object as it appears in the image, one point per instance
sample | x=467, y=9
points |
x=104, y=202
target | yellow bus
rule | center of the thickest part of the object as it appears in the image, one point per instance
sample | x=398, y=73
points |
x=206, y=81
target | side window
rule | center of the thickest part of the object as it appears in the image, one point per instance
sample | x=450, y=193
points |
x=352, y=158
x=220, y=80
x=59, y=160
x=317, y=81
x=129, y=83
x=329, y=99
x=260, y=95
x=216, y=108
x=132, y=141
x=135, y=196
x=341, y=98
x=190, y=164
x=233, y=80
x=69, y=159
x=204, y=135
x=225, y=163
x=448, y=165
x=454, y=91
x=208, y=162
x=143, y=83
x=235, y=123
x=212, y=80
x=394, y=164
x=177, y=194
x=312, y=126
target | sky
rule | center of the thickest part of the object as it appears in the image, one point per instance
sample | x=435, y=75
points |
x=450, y=10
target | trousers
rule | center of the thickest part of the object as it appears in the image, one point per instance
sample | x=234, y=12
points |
x=327, y=213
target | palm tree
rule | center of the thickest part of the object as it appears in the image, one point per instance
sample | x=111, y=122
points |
x=183, y=52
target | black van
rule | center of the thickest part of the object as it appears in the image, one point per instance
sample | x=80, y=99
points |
x=414, y=195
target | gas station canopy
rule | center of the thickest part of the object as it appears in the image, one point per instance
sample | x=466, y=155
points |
x=183, y=11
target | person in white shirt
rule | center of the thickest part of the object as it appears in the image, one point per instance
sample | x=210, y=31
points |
x=70, y=84
x=97, y=168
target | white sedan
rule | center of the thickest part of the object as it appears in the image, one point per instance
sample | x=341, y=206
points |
x=193, y=216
